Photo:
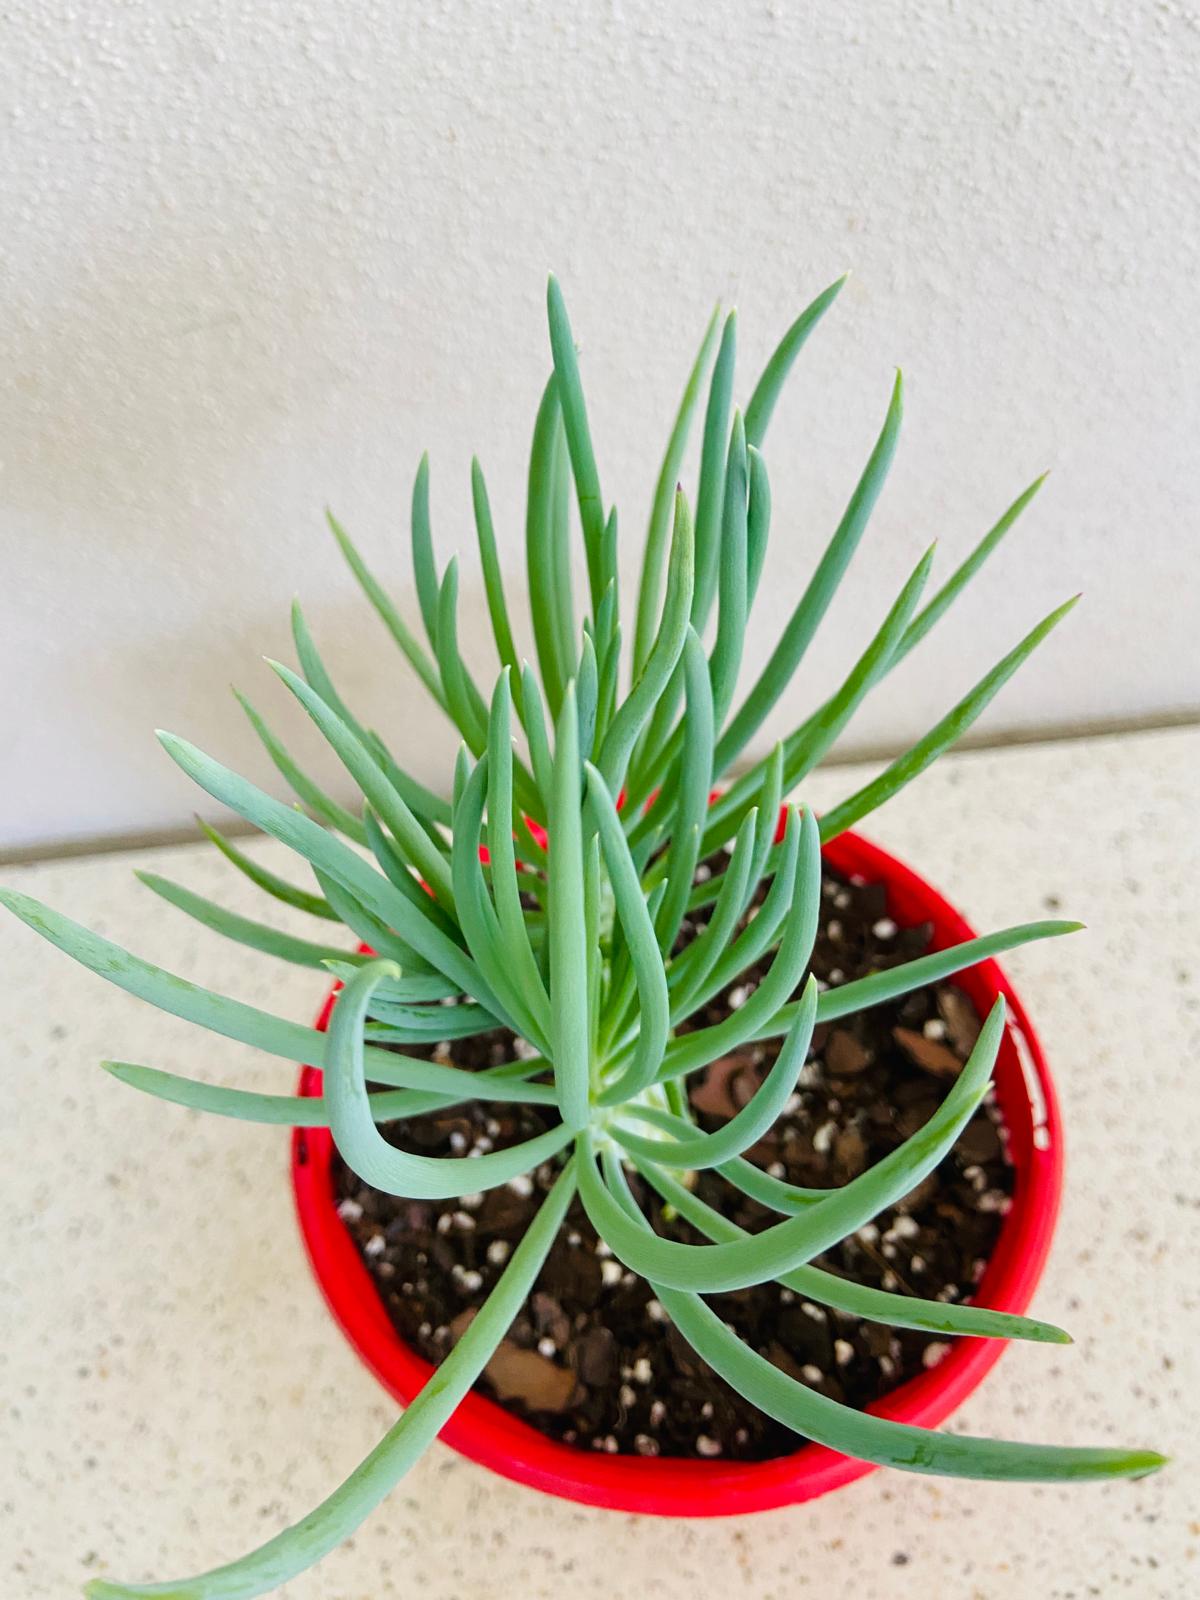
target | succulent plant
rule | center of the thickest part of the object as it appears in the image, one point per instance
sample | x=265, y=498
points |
x=547, y=895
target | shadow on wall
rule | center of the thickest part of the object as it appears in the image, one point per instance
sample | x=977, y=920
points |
x=140, y=379
x=147, y=404
x=133, y=379
x=182, y=682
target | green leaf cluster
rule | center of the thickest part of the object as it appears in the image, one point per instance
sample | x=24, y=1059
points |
x=545, y=896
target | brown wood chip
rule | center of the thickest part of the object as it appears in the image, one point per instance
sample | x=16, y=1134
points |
x=845, y=1055
x=728, y=1084
x=938, y=1059
x=959, y=1015
x=525, y=1375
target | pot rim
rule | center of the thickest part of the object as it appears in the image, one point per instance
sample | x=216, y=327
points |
x=486, y=1433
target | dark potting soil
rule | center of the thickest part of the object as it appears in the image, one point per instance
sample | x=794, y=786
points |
x=591, y=1358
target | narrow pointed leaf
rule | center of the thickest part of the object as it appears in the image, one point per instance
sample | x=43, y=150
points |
x=714, y=1268
x=569, y=1030
x=799, y=866
x=841, y=706
x=939, y=738
x=232, y=1019
x=813, y=604
x=769, y=802
x=877, y=1439
x=859, y=1299
x=323, y=1529
x=547, y=553
x=638, y=929
x=505, y=891
x=858, y=1433
x=579, y=438
x=695, y=784
x=316, y=674
x=430, y=808
x=539, y=741
x=329, y=855
x=243, y=930
x=931, y=614
x=802, y=892
x=710, y=498
x=463, y=698
x=587, y=692
x=306, y=790
x=789, y=1199
x=363, y=1147
x=661, y=510
x=910, y=975
x=732, y=573
x=660, y=664
x=387, y=853
x=493, y=580
x=748, y=1126
x=367, y=927
x=768, y=387
x=412, y=988
x=758, y=523
x=688, y=971
x=388, y=614
x=270, y=882
x=477, y=915
x=373, y=782
x=445, y=1086
x=424, y=566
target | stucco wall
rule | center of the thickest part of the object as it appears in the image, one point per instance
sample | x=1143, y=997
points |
x=257, y=256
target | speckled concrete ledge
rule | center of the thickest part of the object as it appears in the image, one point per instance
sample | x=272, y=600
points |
x=173, y=1390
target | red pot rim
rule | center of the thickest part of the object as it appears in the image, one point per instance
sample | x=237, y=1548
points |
x=486, y=1433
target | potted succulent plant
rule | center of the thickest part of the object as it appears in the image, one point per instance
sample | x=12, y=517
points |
x=583, y=997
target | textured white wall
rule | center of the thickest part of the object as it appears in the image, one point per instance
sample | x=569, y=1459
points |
x=257, y=255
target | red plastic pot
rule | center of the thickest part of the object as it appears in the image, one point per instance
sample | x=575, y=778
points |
x=486, y=1433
